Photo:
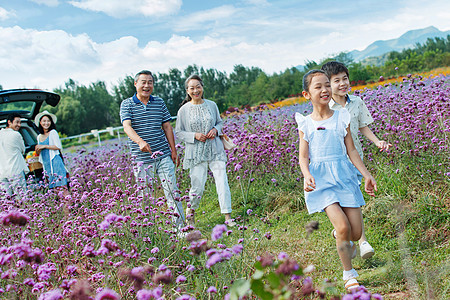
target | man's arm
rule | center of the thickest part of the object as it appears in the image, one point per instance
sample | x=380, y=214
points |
x=143, y=145
x=168, y=131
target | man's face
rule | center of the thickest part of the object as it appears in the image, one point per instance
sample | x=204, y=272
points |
x=15, y=124
x=144, y=86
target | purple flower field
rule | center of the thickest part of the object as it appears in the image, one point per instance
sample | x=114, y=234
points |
x=107, y=242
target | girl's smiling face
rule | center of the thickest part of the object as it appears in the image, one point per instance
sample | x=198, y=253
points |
x=319, y=91
x=45, y=122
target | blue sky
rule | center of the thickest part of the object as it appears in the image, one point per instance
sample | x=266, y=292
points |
x=43, y=43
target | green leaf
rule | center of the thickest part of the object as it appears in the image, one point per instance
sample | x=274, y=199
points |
x=258, y=274
x=258, y=266
x=274, y=280
x=259, y=290
x=299, y=272
x=239, y=288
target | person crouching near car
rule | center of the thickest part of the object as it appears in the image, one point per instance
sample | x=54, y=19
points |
x=49, y=149
x=12, y=163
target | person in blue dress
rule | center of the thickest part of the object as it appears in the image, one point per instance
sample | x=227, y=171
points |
x=48, y=148
x=330, y=180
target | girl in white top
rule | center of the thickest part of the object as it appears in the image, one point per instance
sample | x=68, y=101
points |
x=330, y=180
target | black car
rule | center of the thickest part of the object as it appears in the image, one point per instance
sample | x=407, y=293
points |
x=27, y=103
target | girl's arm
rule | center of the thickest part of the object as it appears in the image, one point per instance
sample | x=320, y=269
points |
x=370, y=185
x=383, y=145
x=309, y=184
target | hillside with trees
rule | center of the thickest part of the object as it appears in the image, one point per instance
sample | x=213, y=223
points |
x=83, y=108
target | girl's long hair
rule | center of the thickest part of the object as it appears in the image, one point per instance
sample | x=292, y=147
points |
x=188, y=98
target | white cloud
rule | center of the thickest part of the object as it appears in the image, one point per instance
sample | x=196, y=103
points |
x=51, y=3
x=5, y=15
x=47, y=59
x=122, y=8
x=198, y=20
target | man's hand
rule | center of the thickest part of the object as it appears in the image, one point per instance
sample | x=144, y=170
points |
x=144, y=146
x=175, y=158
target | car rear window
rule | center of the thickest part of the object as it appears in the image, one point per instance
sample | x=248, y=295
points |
x=23, y=107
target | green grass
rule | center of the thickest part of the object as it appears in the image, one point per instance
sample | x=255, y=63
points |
x=407, y=223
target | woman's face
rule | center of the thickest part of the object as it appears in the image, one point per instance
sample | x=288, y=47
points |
x=45, y=122
x=195, y=89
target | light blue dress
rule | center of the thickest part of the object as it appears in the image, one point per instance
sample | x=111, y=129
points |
x=335, y=176
x=58, y=177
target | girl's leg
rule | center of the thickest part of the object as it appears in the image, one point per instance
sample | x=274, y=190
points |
x=354, y=216
x=343, y=229
x=366, y=250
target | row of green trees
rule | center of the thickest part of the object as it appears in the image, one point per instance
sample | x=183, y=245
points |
x=83, y=108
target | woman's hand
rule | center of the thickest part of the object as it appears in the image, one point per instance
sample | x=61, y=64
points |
x=200, y=137
x=38, y=148
x=212, y=133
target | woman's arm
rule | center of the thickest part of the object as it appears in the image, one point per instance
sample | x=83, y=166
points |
x=181, y=130
x=54, y=143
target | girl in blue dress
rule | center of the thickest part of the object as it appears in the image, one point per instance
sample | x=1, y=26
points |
x=48, y=148
x=330, y=180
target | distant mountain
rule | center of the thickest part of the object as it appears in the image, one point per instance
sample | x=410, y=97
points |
x=377, y=52
x=407, y=40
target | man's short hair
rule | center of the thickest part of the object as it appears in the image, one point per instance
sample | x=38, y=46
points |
x=11, y=118
x=333, y=68
x=143, y=72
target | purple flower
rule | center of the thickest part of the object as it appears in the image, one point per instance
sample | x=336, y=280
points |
x=14, y=218
x=282, y=256
x=237, y=248
x=217, y=231
x=107, y=294
x=51, y=295
x=249, y=211
x=212, y=290
x=154, y=250
x=214, y=259
x=180, y=278
x=190, y=268
x=155, y=154
x=144, y=294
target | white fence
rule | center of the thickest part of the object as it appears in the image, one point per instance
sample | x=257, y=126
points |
x=113, y=131
x=96, y=133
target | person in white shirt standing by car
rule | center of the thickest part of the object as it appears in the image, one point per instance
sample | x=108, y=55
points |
x=12, y=163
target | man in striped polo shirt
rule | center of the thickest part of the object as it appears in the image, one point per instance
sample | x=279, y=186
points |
x=146, y=121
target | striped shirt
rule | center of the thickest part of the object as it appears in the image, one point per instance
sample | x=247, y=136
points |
x=147, y=120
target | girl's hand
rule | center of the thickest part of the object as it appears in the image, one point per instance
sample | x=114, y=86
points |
x=383, y=145
x=200, y=137
x=370, y=186
x=309, y=184
x=212, y=133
